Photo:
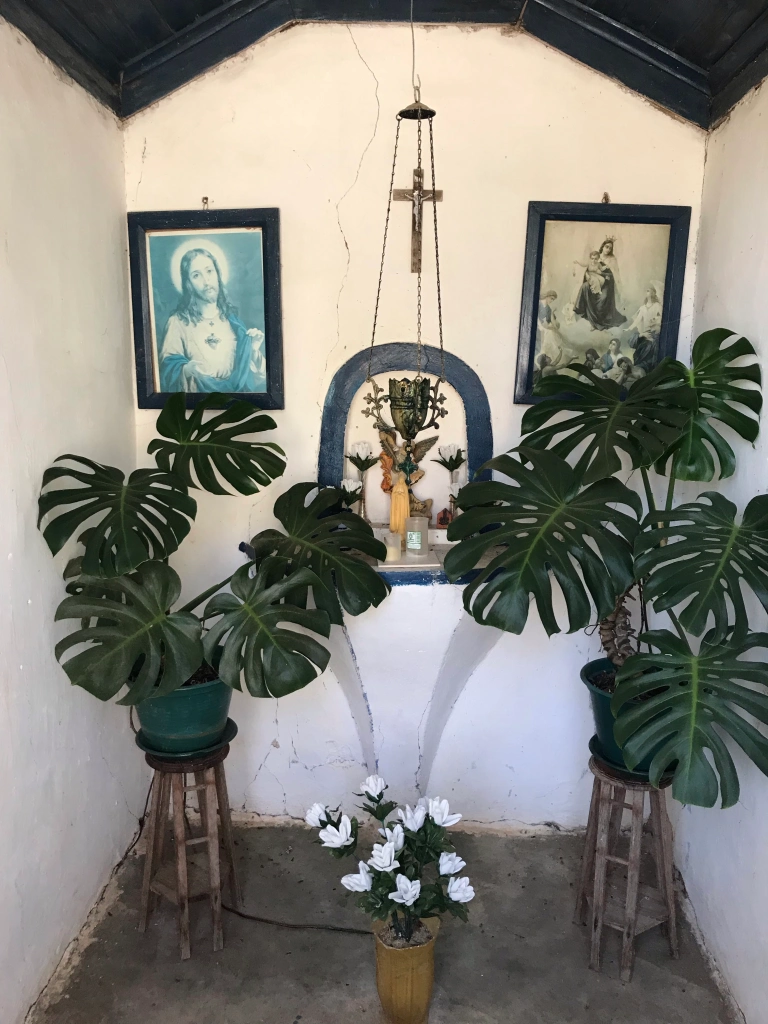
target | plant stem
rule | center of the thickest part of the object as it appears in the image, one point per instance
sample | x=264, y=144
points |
x=648, y=490
x=190, y=605
x=670, y=489
x=676, y=624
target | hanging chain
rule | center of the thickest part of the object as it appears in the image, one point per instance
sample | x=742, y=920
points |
x=418, y=279
x=437, y=255
x=383, y=250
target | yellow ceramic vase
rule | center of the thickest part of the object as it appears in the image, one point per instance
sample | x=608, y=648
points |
x=404, y=977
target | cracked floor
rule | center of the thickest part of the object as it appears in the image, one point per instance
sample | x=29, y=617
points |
x=519, y=959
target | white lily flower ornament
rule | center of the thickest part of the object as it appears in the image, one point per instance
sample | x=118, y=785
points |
x=316, y=814
x=361, y=882
x=439, y=812
x=460, y=891
x=349, y=485
x=362, y=449
x=448, y=451
x=373, y=786
x=407, y=892
x=336, y=838
x=383, y=857
x=394, y=835
x=412, y=819
x=451, y=864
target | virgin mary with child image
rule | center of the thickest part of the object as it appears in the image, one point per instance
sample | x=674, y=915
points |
x=597, y=302
x=205, y=346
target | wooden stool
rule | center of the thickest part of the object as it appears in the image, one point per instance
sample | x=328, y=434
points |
x=188, y=881
x=639, y=907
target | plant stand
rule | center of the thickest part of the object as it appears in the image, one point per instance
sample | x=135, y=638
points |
x=632, y=907
x=186, y=878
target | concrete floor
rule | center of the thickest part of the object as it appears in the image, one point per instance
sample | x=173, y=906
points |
x=520, y=959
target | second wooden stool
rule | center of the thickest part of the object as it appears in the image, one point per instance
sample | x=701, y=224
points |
x=637, y=907
x=184, y=880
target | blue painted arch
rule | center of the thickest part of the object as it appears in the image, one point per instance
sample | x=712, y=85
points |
x=398, y=357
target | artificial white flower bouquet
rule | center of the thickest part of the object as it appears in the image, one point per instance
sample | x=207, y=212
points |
x=395, y=881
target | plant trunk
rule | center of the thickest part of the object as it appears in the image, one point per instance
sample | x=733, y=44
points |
x=617, y=635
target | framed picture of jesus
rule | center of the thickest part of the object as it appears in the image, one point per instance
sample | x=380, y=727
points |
x=603, y=287
x=206, y=305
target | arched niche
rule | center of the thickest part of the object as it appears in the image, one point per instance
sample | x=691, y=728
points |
x=400, y=357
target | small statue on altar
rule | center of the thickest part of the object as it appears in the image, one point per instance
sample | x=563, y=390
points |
x=400, y=506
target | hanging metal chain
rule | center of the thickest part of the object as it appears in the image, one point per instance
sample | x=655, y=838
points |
x=437, y=256
x=383, y=249
x=418, y=279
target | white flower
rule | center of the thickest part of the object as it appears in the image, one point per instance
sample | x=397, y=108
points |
x=394, y=835
x=350, y=485
x=362, y=449
x=412, y=819
x=334, y=837
x=361, y=882
x=460, y=891
x=373, y=786
x=316, y=814
x=451, y=863
x=453, y=490
x=407, y=892
x=423, y=801
x=383, y=857
x=448, y=451
x=439, y=812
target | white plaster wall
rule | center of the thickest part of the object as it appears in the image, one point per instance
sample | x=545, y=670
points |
x=72, y=781
x=305, y=121
x=722, y=854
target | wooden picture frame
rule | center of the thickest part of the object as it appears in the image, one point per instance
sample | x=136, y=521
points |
x=597, y=312
x=205, y=290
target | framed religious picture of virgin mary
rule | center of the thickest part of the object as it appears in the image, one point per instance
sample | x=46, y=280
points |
x=206, y=305
x=603, y=287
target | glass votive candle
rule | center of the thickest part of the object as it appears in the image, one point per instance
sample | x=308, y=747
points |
x=416, y=535
x=394, y=542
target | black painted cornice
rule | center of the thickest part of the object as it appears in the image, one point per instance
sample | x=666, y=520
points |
x=702, y=97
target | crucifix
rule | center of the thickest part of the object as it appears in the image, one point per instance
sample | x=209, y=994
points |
x=417, y=195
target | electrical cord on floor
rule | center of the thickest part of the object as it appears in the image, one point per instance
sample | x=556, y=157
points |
x=297, y=927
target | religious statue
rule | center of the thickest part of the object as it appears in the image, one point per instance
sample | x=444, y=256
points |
x=399, y=506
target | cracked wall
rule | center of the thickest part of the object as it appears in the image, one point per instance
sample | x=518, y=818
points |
x=305, y=121
x=73, y=785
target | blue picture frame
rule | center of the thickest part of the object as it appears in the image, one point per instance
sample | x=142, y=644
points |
x=242, y=354
x=677, y=218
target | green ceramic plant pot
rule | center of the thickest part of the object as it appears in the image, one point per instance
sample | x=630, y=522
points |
x=189, y=719
x=604, y=720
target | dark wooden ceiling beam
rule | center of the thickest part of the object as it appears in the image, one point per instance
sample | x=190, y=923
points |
x=61, y=52
x=610, y=47
x=569, y=25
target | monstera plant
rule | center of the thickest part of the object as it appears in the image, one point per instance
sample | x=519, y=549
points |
x=131, y=638
x=565, y=522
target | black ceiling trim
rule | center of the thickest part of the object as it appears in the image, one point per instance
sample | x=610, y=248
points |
x=204, y=45
x=569, y=25
x=63, y=54
x=738, y=70
x=617, y=51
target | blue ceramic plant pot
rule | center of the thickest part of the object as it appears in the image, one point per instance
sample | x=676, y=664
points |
x=189, y=719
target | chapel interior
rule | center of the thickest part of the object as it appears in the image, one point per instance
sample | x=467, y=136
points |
x=373, y=239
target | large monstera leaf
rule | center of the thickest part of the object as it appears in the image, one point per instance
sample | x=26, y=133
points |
x=720, y=396
x=132, y=638
x=273, y=660
x=200, y=452
x=548, y=527
x=680, y=704
x=146, y=517
x=320, y=537
x=606, y=419
x=698, y=555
